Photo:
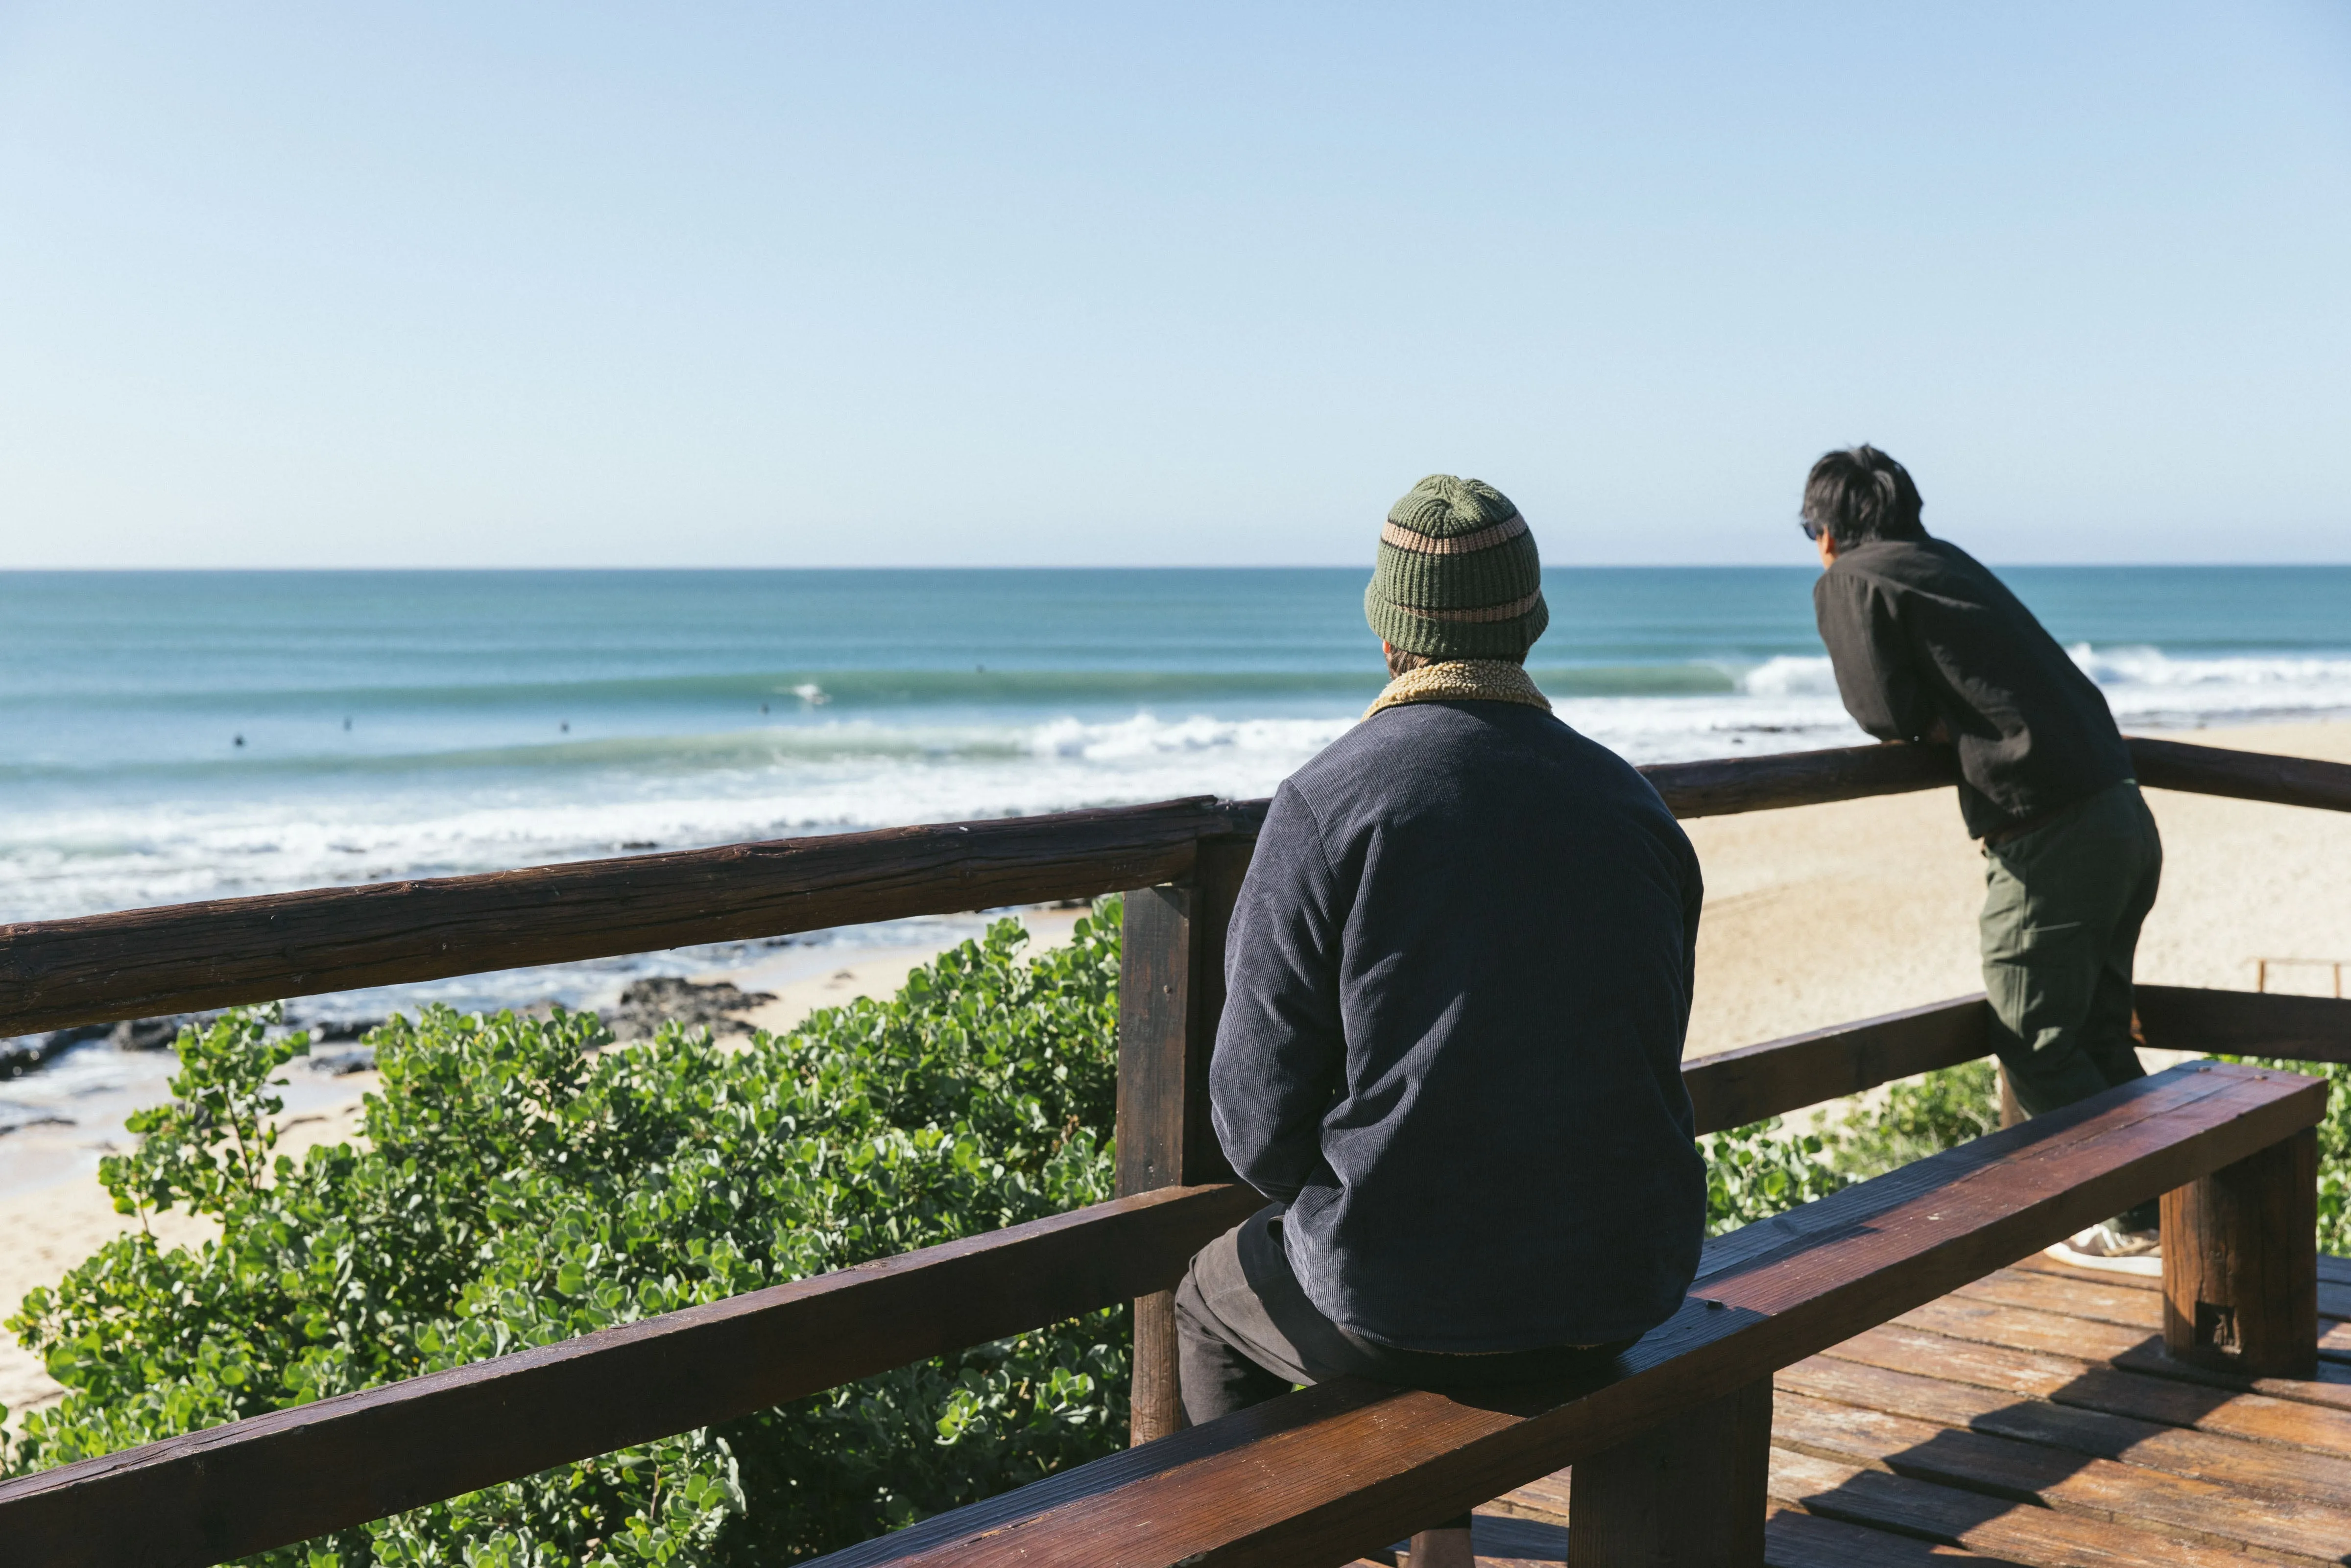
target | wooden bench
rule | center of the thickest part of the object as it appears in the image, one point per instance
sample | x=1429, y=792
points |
x=1670, y=1448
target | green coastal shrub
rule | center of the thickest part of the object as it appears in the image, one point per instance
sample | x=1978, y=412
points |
x=1758, y=1170
x=1919, y=1116
x=520, y=1186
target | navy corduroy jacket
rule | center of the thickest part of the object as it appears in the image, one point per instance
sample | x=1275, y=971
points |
x=1458, y=983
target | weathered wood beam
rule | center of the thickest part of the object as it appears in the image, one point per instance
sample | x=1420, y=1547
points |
x=2245, y=1023
x=1725, y=786
x=2240, y=1264
x=1690, y=1490
x=1732, y=1088
x=2241, y=774
x=273, y=1480
x=182, y=957
x=1171, y=991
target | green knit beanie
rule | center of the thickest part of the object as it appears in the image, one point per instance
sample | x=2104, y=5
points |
x=1458, y=576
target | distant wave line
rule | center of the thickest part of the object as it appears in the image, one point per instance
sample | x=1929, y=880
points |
x=879, y=687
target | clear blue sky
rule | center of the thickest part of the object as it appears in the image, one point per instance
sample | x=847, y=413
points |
x=491, y=284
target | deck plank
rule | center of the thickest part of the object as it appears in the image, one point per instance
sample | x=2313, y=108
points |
x=2017, y=1532
x=1794, y=1539
x=2261, y=1417
x=2204, y=1456
x=2100, y=1299
x=2024, y=1328
x=1544, y=1500
x=2108, y=1491
x=2103, y=1301
x=2334, y=1279
x=1989, y=1323
x=2331, y=1387
x=2042, y=1263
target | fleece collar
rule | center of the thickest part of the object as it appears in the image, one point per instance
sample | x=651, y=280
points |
x=1462, y=680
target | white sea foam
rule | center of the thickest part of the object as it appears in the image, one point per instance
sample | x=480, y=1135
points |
x=79, y=858
x=1789, y=675
x=427, y=815
x=2149, y=688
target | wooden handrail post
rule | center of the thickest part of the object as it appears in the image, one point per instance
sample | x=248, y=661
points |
x=2240, y=1264
x=1171, y=992
x=1689, y=1493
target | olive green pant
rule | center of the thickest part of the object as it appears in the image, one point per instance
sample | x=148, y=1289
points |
x=2062, y=908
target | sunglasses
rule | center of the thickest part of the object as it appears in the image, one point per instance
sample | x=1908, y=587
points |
x=1813, y=530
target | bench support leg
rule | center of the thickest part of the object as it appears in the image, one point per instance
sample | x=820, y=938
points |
x=2240, y=1264
x=1689, y=1493
x=1440, y=1549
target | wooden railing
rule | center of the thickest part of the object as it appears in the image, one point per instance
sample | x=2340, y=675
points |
x=294, y=1474
x=143, y=962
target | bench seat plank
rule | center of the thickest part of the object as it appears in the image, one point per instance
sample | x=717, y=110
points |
x=1330, y=1472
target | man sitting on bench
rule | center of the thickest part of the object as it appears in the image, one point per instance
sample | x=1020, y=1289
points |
x=1457, y=985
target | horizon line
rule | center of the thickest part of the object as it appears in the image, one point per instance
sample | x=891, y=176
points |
x=1143, y=566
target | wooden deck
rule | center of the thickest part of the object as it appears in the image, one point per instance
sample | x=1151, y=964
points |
x=2032, y=1419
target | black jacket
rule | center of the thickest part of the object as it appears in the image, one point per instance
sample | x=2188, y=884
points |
x=1457, y=982
x=1917, y=630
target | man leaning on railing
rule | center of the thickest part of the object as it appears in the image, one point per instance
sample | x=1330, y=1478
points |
x=1457, y=982
x=1928, y=645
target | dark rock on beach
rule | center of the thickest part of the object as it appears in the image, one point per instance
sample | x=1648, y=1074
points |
x=647, y=1005
x=148, y=1034
x=24, y=1052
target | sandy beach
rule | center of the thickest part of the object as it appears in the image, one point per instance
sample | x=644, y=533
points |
x=1814, y=916
x=1823, y=914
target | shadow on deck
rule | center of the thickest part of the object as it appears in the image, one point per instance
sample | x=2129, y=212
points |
x=2031, y=1418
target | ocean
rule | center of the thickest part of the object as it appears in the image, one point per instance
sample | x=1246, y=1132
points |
x=177, y=736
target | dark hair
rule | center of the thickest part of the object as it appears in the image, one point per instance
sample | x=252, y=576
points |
x=1860, y=494
x=1402, y=659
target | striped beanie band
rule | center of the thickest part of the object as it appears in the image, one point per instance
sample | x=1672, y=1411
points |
x=1457, y=575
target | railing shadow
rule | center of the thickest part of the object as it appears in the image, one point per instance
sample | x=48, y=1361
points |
x=2009, y=1459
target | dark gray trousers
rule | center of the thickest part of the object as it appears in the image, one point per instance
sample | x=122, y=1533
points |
x=2062, y=908
x=1246, y=1332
